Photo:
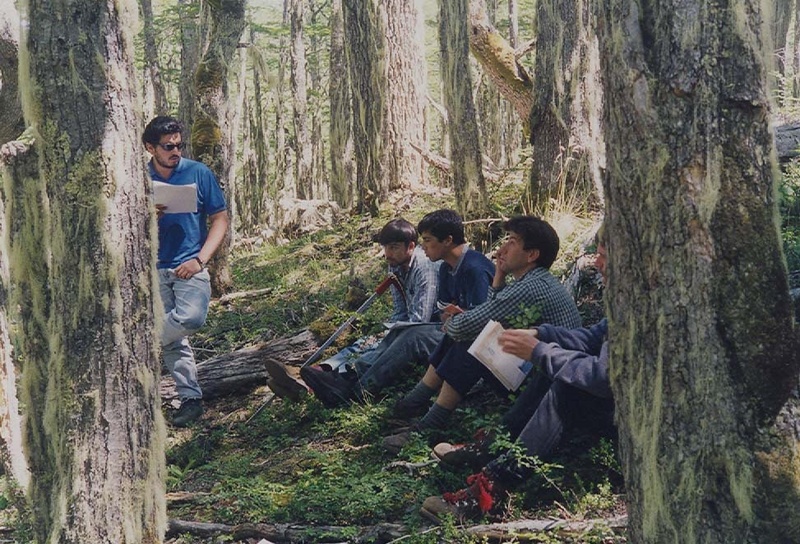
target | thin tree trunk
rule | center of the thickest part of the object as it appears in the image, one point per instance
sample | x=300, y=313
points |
x=465, y=148
x=212, y=140
x=11, y=123
x=319, y=171
x=299, y=77
x=285, y=181
x=406, y=85
x=191, y=48
x=81, y=258
x=341, y=141
x=703, y=352
x=513, y=23
x=153, y=71
x=366, y=56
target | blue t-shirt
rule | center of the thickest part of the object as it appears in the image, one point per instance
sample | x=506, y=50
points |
x=468, y=284
x=182, y=235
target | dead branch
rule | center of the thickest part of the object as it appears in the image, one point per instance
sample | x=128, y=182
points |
x=286, y=533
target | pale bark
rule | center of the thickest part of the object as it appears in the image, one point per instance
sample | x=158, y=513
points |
x=341, y=140
x=366, y=58
x=513, y=23
x=465, y=148
x=299, y=77
x=703, y=351
x=212, y=138
x=319, y=171
x=81, y=262
x=284, y=179
x=406, y=83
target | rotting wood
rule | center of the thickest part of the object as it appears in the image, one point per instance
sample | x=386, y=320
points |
x=243, y=369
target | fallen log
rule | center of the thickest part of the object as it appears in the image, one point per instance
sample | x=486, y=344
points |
x=282, y=532
x=531, y=530
x=243, y=369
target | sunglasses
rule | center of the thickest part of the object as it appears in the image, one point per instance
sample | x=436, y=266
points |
x=170, y=147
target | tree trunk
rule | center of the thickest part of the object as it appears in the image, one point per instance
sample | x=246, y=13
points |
x=465, y=148
x=191, y=47
x=302, y=138
x=406, y=85
x=366, y=57
x=513, y=23
x=159, y=94
x=320, y=185
x=341, y=139
x=212, y=140
x=11, y=122
x=564, y=121
x=81, y=236
x=284, y=179
x=703, y=352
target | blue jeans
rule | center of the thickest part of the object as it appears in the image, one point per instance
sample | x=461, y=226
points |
x=185, y=307
x=399, y=349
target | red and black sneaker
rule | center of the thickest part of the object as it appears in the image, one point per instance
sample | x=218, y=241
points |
x=482, y=496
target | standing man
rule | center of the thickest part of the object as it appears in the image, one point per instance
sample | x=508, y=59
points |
x=186, y=242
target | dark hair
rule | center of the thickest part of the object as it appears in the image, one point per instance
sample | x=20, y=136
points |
x=160, y=126
x=536, y=234
x=396, y=230
x=443, y=223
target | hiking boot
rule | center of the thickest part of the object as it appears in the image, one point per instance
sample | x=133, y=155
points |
x=473, y=454
x=482, y=495
x=331, y=388
x=396, y=442
x=406, y=409
x=285, y=385
x=189, y=412
x=285, y=393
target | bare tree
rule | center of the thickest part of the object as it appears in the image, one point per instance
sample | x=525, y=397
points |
x=341, y=140
x=406, y=87
x=153, y=71
x=366, y=56
x=465, y=148
x=299, y=77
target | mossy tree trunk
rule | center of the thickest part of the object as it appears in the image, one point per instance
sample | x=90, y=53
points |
x=299, y=79
x=703, y=352
x=568, y=148
x=191, y=47
x=81, y=231
x=320, y=184
x=212, y=140
x=406, y=87
x=341, y=135
x=465, y=147
x=153, y=71
x=11, y=123
x=283, y=165
x=366, y=58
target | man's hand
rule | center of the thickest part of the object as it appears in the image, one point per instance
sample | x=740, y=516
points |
x=519, y=342
x=449, y=311
x=160, y=210
x=187, y=269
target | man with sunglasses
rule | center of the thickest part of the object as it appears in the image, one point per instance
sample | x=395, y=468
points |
x=186, y=242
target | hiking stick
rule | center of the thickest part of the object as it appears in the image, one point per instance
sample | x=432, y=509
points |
x=391, y=279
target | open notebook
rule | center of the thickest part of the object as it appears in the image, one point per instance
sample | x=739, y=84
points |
x=509, y=369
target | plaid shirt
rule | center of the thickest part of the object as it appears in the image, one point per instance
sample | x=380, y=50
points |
x=417, y=301
x=537, y=287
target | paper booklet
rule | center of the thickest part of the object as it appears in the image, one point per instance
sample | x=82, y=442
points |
x=177, y=198
x=509, y=369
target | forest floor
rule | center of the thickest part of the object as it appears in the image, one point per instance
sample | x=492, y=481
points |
x=300, y=472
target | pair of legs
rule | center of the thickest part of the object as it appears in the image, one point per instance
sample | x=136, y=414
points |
x=185, y=308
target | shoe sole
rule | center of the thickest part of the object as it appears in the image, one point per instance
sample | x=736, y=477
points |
x=285, y=381
x=430, y=516
x=329, y=398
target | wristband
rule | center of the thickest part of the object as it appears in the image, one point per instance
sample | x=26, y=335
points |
x=201, y=263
